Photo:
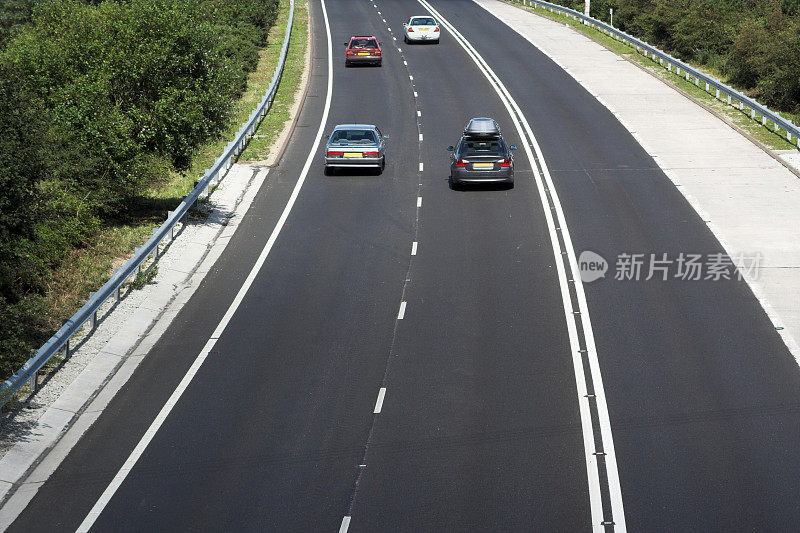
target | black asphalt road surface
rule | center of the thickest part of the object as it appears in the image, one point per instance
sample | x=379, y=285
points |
x=480, y=428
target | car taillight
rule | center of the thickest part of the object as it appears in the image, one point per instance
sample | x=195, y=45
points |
x=505, y=163
x=376, y=53
x=461, y=163
x=335, y=154
x=371, y=154
x=410, y=30
x=437, y=29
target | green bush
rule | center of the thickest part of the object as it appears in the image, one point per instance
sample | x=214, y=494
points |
x=97, y=100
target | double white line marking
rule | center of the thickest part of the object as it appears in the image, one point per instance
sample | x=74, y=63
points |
x=550, y=205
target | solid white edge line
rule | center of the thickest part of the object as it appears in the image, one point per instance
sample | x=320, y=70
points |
x=605, y=426
x=379, y=401
x=137, y=452
x=402, y=312
x=345, y=525
x=414, y=248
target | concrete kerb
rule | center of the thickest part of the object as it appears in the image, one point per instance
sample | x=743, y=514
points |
x=26, y=465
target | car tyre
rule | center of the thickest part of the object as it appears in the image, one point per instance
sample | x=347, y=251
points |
x=454, y=185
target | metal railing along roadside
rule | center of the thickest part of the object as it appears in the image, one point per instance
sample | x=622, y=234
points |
x=733, y=96
x=60, y=342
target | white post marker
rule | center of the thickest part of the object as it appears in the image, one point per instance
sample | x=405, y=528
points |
x=137, y=452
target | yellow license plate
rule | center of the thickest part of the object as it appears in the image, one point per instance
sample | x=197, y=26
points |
x=423, y=29
x=482, y=165
x=363, y=53
x=353, y=154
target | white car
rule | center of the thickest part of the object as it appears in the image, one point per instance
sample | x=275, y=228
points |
x=421, y=28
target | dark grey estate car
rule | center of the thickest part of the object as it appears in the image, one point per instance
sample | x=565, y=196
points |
x=481, y=156
x=355, y=146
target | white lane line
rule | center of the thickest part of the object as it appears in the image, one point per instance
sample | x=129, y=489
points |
x=421, y=167
x=612, y=472
x=415, y=94
x=402, y=313
x=345, y=525
x=419, y=113
x=388, y=28
x=137, y=452
x=414, y=248
x=411, y=77
x=379, y=12
x=419, y=201
x=420, y=137
x=404, y=62
x=399, y=50
x=384, y=21
x=394, y=38
x=379, y=401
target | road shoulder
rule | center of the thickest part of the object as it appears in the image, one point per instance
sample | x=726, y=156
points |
x=747, y=197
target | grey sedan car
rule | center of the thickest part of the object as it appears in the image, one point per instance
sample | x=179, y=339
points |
x=481, y=156
x=355, y=146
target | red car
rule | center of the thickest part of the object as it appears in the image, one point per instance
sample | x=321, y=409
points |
x=363, y=49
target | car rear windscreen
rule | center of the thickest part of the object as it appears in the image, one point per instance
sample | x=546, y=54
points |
x=363, y=43
x=423, y=21
x=353, y=137
x=494, y=147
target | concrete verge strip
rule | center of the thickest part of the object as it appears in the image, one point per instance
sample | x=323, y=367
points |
x=748, y=197
x=79, y=405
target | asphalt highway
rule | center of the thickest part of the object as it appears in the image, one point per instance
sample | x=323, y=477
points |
x=402, y=361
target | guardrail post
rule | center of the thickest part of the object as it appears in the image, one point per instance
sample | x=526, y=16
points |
x=717, y=94
x=729, y=99
x=34, y=382
x=93, y=318
x=752, y=114
x=763, y=120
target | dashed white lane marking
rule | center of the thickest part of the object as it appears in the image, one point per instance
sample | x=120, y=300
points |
x=379, y=12
x=402, y=313
x=384, y=21
x=162, y=415
x=388, y=28
x=414, y=248
x=420, y=137
x=404, y=62
x=394, y=38
x=415, y=94
x=419, y=113
x=421, y=167
x=379, y=401
x=419, y=201
x=345, y=525
x=411, y=77
x=399, y=50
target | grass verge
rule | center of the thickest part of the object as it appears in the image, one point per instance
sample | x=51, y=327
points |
x=741, y=118
x=89, y=267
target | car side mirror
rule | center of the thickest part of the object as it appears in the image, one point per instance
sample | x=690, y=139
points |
x=345, y=44
x=450, y=148
x=327, y=136
x=512, y=147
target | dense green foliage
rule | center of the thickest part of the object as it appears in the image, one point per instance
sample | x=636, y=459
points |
x=98, y=100
x=756, y=45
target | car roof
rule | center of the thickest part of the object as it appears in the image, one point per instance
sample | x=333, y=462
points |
x=481, y=127
x=363, y=37
x=422, y=16
x=355, y=127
